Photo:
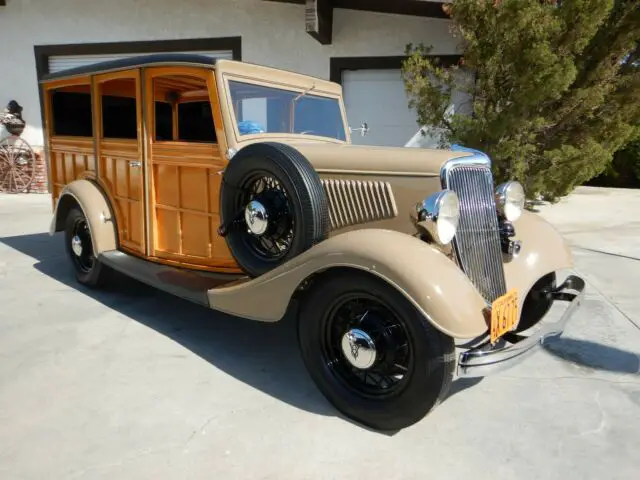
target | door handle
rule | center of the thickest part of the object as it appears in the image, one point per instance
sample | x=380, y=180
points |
x=135, y=164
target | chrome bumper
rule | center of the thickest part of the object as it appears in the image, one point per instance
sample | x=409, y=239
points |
x=486, y=358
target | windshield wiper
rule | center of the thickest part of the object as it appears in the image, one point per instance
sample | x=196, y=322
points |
x=312, y=87
x=293, y=107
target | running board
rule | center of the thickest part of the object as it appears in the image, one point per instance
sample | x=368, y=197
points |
x=187, y=284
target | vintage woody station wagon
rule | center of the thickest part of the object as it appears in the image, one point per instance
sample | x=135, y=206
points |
x=236, y=186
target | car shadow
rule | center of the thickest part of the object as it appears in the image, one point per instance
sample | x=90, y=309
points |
x=262, y=355
x=462, y=384
x=593, y=355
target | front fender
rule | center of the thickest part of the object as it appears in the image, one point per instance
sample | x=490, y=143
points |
x=428, y=279
x=543, y=250
x=95, y=206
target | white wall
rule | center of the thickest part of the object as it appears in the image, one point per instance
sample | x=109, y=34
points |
x=272, y=34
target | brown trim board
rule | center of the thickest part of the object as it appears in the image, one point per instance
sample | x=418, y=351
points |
x=420, y=8
x=339, y=64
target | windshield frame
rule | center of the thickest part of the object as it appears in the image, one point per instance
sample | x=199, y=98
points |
x=297, y=88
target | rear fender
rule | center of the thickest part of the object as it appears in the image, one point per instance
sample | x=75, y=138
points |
x=543, y=250
x=425, y=276
x=95, y=206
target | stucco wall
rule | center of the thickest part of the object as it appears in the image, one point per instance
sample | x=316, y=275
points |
x=272, y=34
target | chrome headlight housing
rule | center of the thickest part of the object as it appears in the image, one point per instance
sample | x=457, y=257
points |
x=510, y=200
x=440, y=213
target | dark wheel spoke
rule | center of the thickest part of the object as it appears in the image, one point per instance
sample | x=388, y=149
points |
x=85, y=258
x=370, y=351
x=88, y=268
x=276, y=242
x=382, y=327
x=267, y=244
x=402, y=368
x=283, y=205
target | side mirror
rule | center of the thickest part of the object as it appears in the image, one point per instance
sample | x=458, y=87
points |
x=364, y=129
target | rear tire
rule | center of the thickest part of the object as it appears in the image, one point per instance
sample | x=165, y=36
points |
x=392, y=388
x=88, y=269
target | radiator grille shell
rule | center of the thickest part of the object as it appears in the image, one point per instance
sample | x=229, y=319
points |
x=477, y=240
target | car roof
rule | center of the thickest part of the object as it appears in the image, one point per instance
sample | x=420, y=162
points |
x=167, y=59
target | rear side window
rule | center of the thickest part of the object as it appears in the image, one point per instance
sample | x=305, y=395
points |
x=164, y=121
x=71, y=111
x=195, y=122
x=182, y=110
x=119, y=109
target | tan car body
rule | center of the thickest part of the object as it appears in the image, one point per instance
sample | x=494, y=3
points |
x=405, y=266
x=386, y=247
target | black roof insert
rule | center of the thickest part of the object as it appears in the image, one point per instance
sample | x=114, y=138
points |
x=133, y=62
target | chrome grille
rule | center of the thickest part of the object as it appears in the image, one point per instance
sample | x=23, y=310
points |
x=477, y=241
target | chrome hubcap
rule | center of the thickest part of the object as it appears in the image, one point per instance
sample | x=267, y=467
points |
x=358, y=348
x=76, y=245
x=257, y=218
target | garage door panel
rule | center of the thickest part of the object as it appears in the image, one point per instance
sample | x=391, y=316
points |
x=378, y=97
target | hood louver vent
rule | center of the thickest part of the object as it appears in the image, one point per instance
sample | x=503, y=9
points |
x=353, y=202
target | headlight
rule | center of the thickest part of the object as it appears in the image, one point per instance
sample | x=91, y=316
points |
x=510, y=200
x=441, y=212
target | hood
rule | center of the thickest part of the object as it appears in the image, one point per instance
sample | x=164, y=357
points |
x=375, y=187
x=361, y=159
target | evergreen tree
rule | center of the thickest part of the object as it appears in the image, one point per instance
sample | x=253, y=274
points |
x=624, y=171
x=554, y=87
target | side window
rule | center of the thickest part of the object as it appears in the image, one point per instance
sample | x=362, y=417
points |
x=183, y=110
x=164, y=121
x=71, y=111
x=119, y=112
x=195, y=122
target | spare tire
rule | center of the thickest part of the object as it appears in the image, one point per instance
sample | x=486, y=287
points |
x=272, y=206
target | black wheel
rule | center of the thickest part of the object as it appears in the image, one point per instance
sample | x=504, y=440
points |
x=371, y=353
x=537, y=302
x=272, y=206
x=89, y=270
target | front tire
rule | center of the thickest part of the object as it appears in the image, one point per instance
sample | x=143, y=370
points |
x=88, y=269
x=371, y=352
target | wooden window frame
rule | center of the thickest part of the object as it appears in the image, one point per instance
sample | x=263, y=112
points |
x=43, y=53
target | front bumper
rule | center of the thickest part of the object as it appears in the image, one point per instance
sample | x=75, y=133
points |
x=486, y=359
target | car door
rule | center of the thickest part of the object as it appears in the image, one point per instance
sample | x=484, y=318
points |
x=185, y=145
x=119, y=146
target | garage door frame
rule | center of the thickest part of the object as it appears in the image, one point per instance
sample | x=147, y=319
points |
x=337, y=65
x=44, y=52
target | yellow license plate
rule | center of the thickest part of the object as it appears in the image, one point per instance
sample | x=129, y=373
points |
x=504, y=314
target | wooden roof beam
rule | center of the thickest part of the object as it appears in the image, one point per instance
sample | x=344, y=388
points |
x=319, y=13
x=318, y=16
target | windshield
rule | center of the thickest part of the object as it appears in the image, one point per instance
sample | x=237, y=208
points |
x=261, y=109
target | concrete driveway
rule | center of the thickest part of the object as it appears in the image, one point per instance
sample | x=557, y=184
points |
x=133, y=383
